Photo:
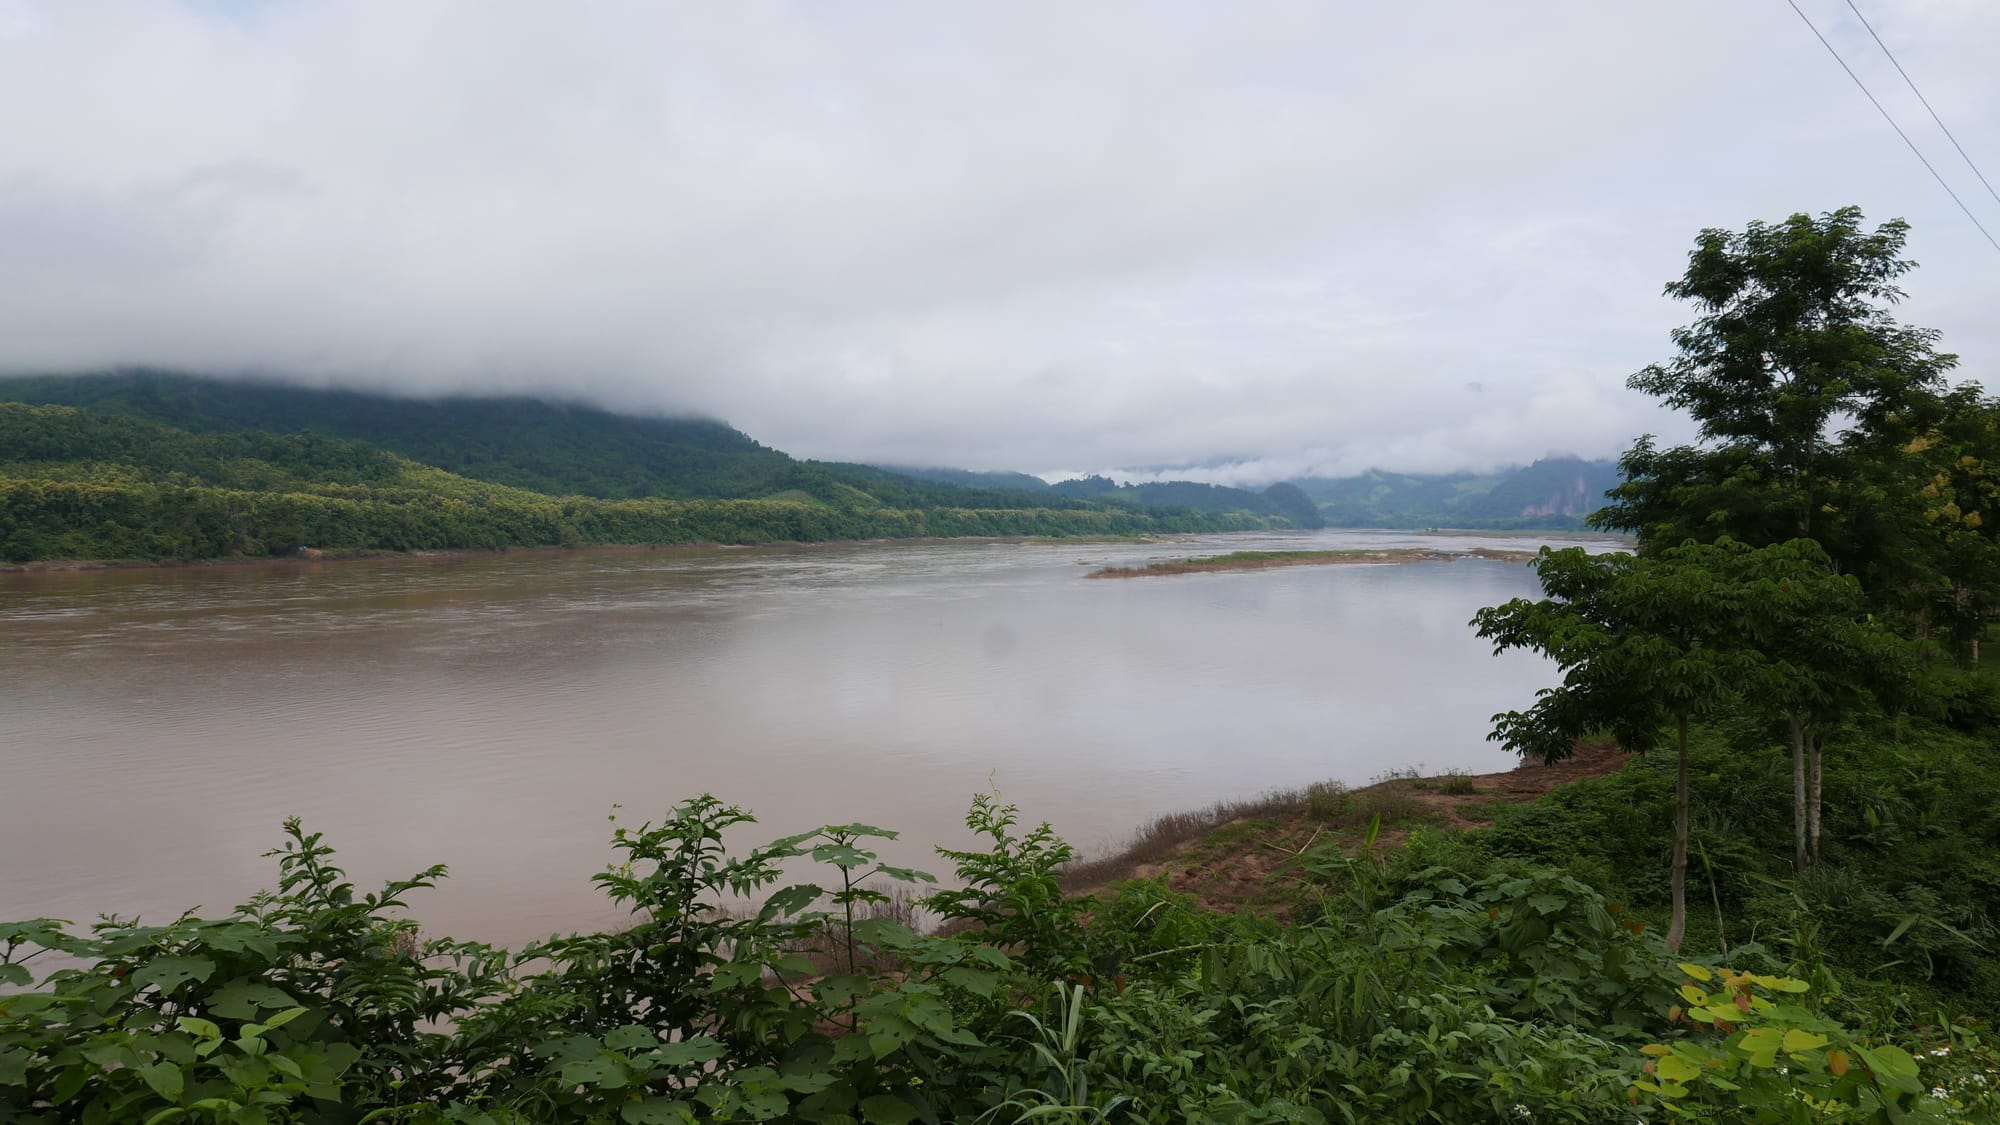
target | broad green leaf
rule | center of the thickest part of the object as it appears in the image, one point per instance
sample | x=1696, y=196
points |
x=886, y=1109
x=165, y=1079
x=1798, y=1039
x=929, y=1014
x=1674, y=1068
x=283, y=1018
x=737, y=974
x=883, y=931
x=112, y=1054
x=842, y=988
x=763, y=1105
x=631, y=1037
x=790, y=901
x=976, y=981
x=697, y=1049
x=245, y=1000
x=795, y=964
x=843, y=856
x=907, y=874
x=568, y=1048
x=14, y=1066
x=286, y=1066
x=1893, y=1067
x=69, y=1081
x=1698, y=972
x=169, y=973
x=604, y=1071
x=656, y=1111
x=15, y=974
x=1761, y=1045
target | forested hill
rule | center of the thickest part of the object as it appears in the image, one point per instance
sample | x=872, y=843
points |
x=1553, y=493
x=973, y=478
x=1283, y=501
x=559, y=449
x=110, y=483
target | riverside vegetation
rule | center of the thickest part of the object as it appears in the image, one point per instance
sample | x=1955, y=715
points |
x=1785, y=915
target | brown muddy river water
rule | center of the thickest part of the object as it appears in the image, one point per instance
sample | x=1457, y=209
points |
x=157, y=726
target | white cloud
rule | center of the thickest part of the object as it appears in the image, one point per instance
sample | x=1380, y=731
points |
x=1116, y=235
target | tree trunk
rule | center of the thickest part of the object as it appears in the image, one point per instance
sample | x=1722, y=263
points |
x=1801, y=858
x=1812, y=808
x=1677, y=926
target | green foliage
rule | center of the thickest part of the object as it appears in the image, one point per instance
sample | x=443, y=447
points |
x=1755, y=1056
x=1451, y=984
x=1012, y=892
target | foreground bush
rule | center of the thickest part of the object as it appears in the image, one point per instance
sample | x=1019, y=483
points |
x=1491, y=992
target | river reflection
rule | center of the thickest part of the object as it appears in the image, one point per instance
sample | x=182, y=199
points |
x=488, y=712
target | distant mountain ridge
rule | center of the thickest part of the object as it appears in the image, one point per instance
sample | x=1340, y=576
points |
x=1552, y=494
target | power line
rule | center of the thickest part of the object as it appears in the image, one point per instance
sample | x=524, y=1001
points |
x=1927, y=102
x=1892, y=124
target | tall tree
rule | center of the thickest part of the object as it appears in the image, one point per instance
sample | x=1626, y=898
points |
x=1824, y=658
x=1922, y=515
x=1642, y=644
x=1793, y=339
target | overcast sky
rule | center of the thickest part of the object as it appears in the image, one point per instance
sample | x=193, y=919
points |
x=1279, y=238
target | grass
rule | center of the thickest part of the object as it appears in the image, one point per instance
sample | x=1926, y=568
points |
x=1229, y=826
x=1160, y=837
x=1456, y=783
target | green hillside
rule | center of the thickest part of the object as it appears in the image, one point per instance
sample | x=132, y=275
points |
x=973, y=478
x=527, y=443
x=1281, y=501
x=79, y=484
x=554, y=448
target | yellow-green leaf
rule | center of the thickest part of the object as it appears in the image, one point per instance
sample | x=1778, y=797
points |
x=1798, y=1039
x=1674, y=1068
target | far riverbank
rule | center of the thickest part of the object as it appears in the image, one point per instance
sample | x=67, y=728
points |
x=1264, y=560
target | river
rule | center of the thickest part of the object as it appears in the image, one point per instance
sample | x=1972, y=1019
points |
x=488, y=712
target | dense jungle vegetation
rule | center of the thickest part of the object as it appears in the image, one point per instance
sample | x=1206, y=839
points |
x=1784, y=911
x=79, y=484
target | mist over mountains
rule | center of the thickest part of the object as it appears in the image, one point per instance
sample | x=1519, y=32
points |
x=556, y=449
